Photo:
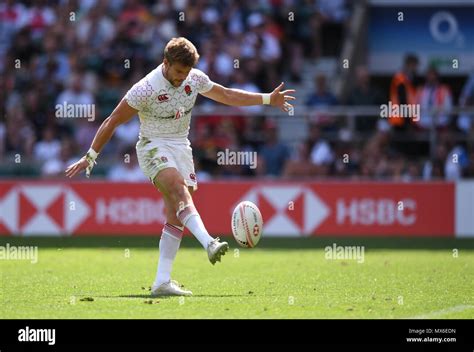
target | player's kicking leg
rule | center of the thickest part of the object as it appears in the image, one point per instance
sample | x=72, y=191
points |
x=170, y=182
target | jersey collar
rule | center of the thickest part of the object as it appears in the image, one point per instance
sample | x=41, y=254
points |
x=167, y=83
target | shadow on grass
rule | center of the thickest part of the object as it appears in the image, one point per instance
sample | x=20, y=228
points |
x=221, y=296
x=105, y=242
x=148, y=296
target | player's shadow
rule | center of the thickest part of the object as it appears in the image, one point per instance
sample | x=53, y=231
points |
x=166, y=297
x=127, y=296
x=133, y=296
x=220, y=296
x=143, y=296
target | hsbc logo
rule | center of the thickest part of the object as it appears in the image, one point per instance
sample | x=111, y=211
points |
x=372, y=211
x=42, y=210
x=130, y=211
x=163, y=97
x=307, y=213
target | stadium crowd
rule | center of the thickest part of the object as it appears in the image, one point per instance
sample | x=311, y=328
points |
x=90, y=52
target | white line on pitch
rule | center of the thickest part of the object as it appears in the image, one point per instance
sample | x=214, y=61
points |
x=437, y=313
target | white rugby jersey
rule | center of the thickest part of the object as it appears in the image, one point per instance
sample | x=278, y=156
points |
x=164, y=110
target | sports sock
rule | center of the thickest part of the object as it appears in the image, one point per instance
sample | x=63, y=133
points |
x=169, y=245
x=190, y=218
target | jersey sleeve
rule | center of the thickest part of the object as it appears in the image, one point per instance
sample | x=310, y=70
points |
x=138, y=96
x=203, y=82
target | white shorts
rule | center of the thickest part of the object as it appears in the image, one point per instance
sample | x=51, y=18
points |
x=156, y=154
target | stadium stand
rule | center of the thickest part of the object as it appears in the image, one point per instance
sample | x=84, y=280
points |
x=52, y=51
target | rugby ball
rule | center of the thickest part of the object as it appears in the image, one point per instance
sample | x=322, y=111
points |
x=247, y=224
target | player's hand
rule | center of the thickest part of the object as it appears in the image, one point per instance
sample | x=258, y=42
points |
x=78, y=167
x=280, y=98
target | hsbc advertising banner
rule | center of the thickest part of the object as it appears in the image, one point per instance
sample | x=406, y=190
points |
x=288, y=209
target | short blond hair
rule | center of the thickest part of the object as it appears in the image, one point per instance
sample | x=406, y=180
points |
x=182, y=51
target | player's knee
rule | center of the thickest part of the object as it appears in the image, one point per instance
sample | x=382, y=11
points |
x=166, y=180
x=179, y=191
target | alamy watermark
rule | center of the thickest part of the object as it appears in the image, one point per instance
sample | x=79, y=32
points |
x=37, y=335
x=336, y=252
x=67, y=110
x=8, y=252
x=229, y=157
x=409, y=111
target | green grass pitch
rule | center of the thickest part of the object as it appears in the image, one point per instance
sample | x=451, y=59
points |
x=281, y=278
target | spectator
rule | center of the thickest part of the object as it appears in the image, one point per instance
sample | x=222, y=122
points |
x=2, y=139
x=19, y=135
x=217, y=62
x=75, y=94
x=241, y=82
x=96, y=29
x=253, y=134
x=348, y=155
x=321, y=153
x=434, y=96
x=133, y=20
x=38, y=18
x=468, y=90
x=48, y=147
x=55, y=167
x=52, y=63
x=375, y=156
x=365, y=94
x=202, y=175
x=321, y=97
x=466, y=100
x=403, y=90
x=332, y=17
x=259, y=42
x=127, y=133
x=12, y=18
x=470, y=167
x=85, y=131
x=273, y=155
x=262, y=47
x=396, y=168
x=127, y=170
x=412, y=173
x=333, y=10
x=435, y=168
x=456, y=163
x=300, y=165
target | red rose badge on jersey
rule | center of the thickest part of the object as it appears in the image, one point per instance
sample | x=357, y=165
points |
x=187, y=89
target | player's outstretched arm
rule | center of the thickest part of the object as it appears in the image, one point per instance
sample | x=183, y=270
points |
x=238, y=97
x=121, y=114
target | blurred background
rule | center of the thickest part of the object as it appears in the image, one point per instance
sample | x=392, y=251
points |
x=340, y=56
x=346, y=59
